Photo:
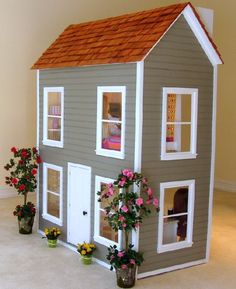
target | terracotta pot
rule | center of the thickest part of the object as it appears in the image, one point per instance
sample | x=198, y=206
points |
x=25, y=225
x=126, y=277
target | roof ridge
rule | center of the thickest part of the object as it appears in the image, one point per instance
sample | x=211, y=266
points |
x=119, y=39
x=129, y=14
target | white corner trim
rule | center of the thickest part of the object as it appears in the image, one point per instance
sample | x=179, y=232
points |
x=213, y=149
x=37, y=144
x=138, y=116
x=226, y=186
x=138, y=133
x=201, y=35
x=37, y=137
x=172, y=268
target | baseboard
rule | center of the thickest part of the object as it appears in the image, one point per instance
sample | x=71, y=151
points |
x=73, y=248
x=7, y=193
x=10, y=193
x=226, y=186
x=172, y=268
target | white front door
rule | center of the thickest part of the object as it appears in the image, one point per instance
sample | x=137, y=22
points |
x=78, y=208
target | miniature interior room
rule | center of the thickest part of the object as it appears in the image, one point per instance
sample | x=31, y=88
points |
x=178, y=131
x=111, y=122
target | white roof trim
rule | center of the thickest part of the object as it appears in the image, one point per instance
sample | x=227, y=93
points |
x=201, y=35
x=199, y=32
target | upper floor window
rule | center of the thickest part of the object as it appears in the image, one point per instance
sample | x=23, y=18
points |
x=176, y=215
x=103, y=233
x=53, y=116
x=52, y=193
x=179, y=123
x=111, y=121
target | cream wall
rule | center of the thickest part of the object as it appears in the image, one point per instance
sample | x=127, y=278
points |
x=28, y=28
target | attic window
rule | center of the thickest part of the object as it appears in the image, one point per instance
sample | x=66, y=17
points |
x=179, y=123
x=110, y=121
x=53, y=116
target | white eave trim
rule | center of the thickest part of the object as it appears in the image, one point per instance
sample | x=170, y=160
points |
x=200, y=34
x=198, y=31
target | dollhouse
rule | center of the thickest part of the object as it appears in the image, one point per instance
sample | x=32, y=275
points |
x=136, y=91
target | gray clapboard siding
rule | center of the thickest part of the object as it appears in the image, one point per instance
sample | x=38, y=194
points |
x=80, y=110
x=177, y=61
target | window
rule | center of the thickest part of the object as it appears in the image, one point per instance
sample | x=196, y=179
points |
x=53, y=116
x=176, y=215
x=179, y=123
x=111, y=121
x=52, y=193
x=103, y=233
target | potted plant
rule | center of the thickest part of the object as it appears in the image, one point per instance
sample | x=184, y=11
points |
x=125, y=211
x=86, y=251
x=52, y=234
x=23, y=168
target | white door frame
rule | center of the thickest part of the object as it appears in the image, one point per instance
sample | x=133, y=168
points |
x=68, y=195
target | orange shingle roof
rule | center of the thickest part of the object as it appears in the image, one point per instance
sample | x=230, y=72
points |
x=126, y=38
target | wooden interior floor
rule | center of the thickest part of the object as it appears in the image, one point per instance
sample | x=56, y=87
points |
x=27, y=263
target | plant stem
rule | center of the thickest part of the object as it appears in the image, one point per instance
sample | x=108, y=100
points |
x=126, y=240
x=25, y=198
x=126, y=232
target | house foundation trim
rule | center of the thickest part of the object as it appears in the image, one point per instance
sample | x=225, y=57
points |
x=172, y=268
x=73, y=248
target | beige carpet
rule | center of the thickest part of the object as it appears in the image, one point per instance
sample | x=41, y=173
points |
x=27, y=263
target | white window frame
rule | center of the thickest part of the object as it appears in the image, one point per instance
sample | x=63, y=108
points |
x=47, y=141
x=192, y=154
x=191, y=198
x=99, y=150
x=97, y=238
x=45, y=214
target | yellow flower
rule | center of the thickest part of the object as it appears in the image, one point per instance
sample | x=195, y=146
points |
x=86, y=246
x=89, y=250
x=83, y=252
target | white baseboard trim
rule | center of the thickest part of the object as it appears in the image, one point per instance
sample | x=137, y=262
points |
x=226, y=186
x=73, y=248
x=172, y=268
x=10, y=193
x=7, y=193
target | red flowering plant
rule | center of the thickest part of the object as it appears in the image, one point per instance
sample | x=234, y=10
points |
x=125, y=211
x=23, y=168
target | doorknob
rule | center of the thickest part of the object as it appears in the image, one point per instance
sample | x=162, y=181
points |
x=85, y=213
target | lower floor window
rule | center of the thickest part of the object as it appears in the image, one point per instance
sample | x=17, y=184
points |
x=176, y=215
x=103, y=233
x=52, y=193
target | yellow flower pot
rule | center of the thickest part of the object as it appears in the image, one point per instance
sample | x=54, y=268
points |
x=86, y=260
x=52, y=243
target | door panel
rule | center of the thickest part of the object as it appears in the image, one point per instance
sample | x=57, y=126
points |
x=78, y=209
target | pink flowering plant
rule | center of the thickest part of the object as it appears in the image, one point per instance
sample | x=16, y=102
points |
x=125, y=258
x=23, y=168
x=125, y=211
